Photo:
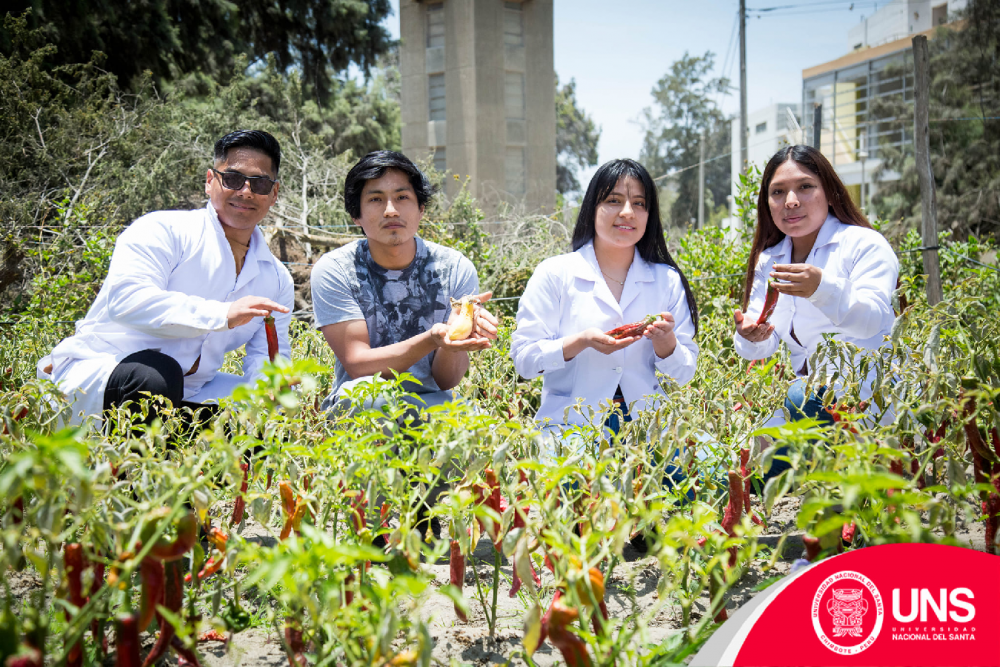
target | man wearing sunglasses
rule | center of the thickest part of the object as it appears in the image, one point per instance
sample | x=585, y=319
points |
x=183, y=289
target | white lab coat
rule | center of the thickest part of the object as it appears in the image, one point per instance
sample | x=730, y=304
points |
x=169, y=287
x=853, y=300
x=568, y=294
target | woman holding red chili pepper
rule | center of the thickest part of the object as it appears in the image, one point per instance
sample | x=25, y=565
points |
x=572, y=320
x=832, y=272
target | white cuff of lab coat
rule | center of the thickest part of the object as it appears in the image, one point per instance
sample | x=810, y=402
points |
x=678, y=365
x=550, y=353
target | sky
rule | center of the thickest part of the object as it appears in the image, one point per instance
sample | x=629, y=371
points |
x=617, y=51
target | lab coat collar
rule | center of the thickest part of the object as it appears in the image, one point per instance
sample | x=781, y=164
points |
x=254, y=255
x=828, y=233
x=590, y=270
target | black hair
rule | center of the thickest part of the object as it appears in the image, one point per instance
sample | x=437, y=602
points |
x=259, y=140
x=652, y=247
x=374, y=165
x=839, y=203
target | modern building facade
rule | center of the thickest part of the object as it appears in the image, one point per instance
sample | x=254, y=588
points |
x=478, y=95
x=845, y=93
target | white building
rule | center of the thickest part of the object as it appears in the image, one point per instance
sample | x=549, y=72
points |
x=769, y=129
x=900, y=19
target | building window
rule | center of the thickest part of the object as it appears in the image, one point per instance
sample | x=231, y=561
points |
x=513, y=24
x=514, y=170
x=440, y=159
x=761, y=127
x=435, y=96
x=435, y=24
x=513, y=95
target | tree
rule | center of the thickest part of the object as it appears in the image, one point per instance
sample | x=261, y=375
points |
x=964, y=132
x=576, y=138
x=684, y=107
x=175, y=39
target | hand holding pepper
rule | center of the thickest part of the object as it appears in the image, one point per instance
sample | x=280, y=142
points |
x=244, y=310
x=749, y=329
x=594, y=339
x=661, y=333
x=798, y=279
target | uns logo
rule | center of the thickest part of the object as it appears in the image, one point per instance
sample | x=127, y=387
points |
x=921, y=600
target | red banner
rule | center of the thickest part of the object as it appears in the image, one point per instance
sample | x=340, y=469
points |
x=896, y=604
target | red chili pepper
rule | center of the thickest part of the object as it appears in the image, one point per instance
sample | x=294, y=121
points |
x=493, y=501
x=813, y=547
x=173, y=600
x=744, y=461
x=212, y=636
x=272, y=337
x=734, y=510
x=456, y=566
x=293, y=637
x=573, y=649
x=547, y=617
x=848, y=531
x=73, y=565
x=127, y=642
x=97, y=625
x=270, y=476
x=294, y=509
x=153, y=585
x=184, y=653
x=241, y=504
x=633, y=328
x=187, y=533
x=770, y=303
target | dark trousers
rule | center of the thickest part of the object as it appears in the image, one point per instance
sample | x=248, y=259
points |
x=151, y=372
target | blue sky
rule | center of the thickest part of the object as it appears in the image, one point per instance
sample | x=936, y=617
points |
x=618, y=50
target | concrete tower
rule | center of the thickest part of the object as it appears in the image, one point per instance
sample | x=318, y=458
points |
x=478, y=94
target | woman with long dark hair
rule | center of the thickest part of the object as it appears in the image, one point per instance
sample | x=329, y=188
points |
x=834, y=273
x=619, y=272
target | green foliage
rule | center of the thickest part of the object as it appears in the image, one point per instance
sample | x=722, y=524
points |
x=964, y=132
x=576, y=138
x=195, y=43
x=685, y=107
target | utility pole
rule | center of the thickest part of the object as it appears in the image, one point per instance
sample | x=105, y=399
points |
x=743, y=87
x=925, y=174
x=701, y=182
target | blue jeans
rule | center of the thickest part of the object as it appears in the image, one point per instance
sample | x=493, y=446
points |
x=672, y=474
x=799, y=406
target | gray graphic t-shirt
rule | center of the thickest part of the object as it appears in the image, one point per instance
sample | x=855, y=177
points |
x=347, y=284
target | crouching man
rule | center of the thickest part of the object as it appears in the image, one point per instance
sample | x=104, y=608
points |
x=383, y=302
x=183, y=289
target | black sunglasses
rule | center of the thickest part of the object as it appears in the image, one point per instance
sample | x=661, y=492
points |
x=234, y=180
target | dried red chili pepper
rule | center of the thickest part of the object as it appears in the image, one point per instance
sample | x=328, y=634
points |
x=127, y=642
x=272, y=337
x=456, y=567
x=240, y=505
x=632, y=329
x=770, y=303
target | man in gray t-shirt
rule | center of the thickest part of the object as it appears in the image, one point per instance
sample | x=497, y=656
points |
x=383, y=302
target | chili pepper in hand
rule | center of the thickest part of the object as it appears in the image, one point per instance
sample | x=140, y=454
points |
x=272, y=337
x=127, y=642
x=770, y=303
x=456, y=566
x=632, y=329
